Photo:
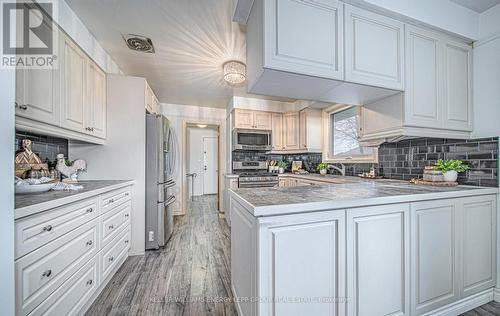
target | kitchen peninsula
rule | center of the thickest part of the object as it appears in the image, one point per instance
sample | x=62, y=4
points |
x=376, y=240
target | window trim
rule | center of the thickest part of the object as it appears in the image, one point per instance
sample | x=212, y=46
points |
x=327, y=139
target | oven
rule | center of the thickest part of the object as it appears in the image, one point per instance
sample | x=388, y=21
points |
x=244, y=139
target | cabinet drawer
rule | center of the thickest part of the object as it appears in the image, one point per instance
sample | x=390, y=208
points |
x=37, y=230
x=113, y=253
x=114, y=198
x=113, y=221
x=73, y=294
x=42, y=271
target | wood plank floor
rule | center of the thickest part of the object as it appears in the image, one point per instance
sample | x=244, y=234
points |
x=191, y=276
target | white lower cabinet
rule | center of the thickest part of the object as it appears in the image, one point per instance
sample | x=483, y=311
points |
x=303, y=258
x=434, y=255
x=60, y=255
x=453, y=250
x=378, y=255
x=396, y=259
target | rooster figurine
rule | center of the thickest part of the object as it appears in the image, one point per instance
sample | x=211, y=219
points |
x=71, y=172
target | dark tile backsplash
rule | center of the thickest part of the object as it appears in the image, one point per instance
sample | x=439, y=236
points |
x=46, y=147
x=406, y=159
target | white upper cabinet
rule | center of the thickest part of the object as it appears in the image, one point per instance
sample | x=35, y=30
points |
x=423, y=78
x=73, y=87
x=457, y=90
x=277, y=131
x=374, y=49
x=96, y=109
x=249, y=119
x=304, y=37
x=291, y=133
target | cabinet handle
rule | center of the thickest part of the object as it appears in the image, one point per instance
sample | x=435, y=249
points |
x=111, y=201
x=126, y=215
x=87, y=128
x=16, y=105
x=90, y=210
x=47, y=273
x=126, y=194
x=89, y=282
x=111, y=226
x=110, y=259
x=47, y=228
x=89, y=243
x=126, y=241
x=23, y=107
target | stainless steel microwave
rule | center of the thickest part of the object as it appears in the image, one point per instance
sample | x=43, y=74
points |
x=246, y=139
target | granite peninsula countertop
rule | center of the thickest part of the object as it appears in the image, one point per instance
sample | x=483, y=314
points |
x=356, y=192
x=28, y=204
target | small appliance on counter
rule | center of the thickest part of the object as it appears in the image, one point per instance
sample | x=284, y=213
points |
x=160, y=164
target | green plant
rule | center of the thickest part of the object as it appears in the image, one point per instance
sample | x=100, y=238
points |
x=282, y=164
x=68, y=162
x=450, y=165
x=322, y=166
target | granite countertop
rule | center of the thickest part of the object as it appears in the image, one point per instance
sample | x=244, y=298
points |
x=28, y=204
x=358, y=193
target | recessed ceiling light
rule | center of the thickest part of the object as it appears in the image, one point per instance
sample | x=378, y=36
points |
x=234, y=72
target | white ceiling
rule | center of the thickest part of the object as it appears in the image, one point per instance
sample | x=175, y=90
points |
x=192, y=39
x=477, y=5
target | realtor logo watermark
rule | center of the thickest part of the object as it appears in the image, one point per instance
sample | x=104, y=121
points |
x=29, y=36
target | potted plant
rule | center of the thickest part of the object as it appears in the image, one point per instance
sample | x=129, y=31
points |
x=450, y=169
x=322, y=168
x=282, y=166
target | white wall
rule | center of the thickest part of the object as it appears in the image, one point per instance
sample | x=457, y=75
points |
x=7, y=97
x=196, y=156
x=179, y=116
x=123, y=155
x=74, y=27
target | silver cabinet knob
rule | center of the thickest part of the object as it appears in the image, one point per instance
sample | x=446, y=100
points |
x=23, y=107
x=90, y=210
x=89, y=243
x=126, y=194
x=47, y=228
x=89, y=282
x=126, y=241
x=111, y=200
x=111, y=226
x=126, y=215
x=110, y=259
x=47, y=273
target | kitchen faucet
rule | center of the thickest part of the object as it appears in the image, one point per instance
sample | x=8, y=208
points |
x=341, y=169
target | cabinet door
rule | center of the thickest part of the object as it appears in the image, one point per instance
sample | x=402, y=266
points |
x=478, y=244
x=291, y=130
x=303, y=130
x=377, y=260
x=457, y=91
x=423, y=103
x=277, y=131
x=292, y=32
x=37, y=94
x=374, y=52
x=262, y=120
x=243, y=119
x=297, y=254
x=74, y=85
x=434, y=255
x=96, y=109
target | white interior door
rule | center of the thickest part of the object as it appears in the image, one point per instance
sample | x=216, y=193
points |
x=210, y=167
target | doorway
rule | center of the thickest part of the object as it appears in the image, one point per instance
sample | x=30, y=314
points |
x=202, y=160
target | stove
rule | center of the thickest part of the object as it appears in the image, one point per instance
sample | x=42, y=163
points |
x=255, y=175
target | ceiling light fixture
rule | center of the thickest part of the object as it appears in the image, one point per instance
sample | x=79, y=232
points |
x=234, y=72
x=201, y=125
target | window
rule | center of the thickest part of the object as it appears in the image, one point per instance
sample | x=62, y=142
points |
x=342, y=144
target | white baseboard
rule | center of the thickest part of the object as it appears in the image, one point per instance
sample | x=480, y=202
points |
x=464, y=305
x=496, y=294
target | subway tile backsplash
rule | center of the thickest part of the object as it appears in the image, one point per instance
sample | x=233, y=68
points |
x=46, y=147
x=406, y=159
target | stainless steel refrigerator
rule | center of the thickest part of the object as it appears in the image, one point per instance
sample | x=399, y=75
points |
x=160, y=160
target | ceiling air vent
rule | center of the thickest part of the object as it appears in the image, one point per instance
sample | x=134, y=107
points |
x=139, y=43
